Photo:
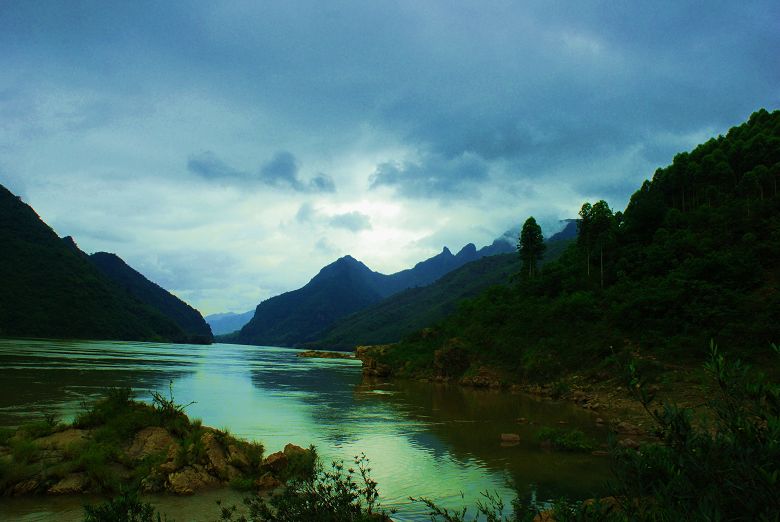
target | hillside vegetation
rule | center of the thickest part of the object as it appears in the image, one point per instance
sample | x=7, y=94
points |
x=51, y=289
x=694, y=257
x=401, y=314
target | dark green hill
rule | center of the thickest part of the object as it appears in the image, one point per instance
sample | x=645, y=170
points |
x=695, y=256
x=342, y=288
x=51, y=289
x=186, y=317
x=294, y=317
x=397, y=316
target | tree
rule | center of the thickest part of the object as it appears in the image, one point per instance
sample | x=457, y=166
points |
x=531, y=245
x=584, y=236
x=602, y=230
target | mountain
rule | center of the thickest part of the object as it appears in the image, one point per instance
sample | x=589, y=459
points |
x=341, y=288
x=52, y=289
x=693, y=259
x=401, y=314
x=228, y=322
x=187, y=318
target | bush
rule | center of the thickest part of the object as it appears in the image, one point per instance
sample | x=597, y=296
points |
x=127, y=507
x=567, y=440
x=337, y=495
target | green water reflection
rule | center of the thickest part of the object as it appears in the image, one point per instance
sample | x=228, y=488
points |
x=422, y=438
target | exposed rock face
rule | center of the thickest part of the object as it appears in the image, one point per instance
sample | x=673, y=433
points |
x=190, y=479
x=291, y=450
x=275, y=462
x=316, y=354
x=63, y=440
x=73, y=483
x=483, y=379
x=372, y=367
x=151, y=441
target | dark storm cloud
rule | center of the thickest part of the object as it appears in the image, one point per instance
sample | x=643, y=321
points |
x=433, y=177
x=280, y=172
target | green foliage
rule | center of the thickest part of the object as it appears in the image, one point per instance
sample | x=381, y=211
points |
x=567, y=440
x=531, y=246
x=336, y=495
x=127, y=507
x=51, y=289
x=693, y=257
x=723, y=465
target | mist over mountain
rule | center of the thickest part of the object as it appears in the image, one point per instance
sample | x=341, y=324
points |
x=228, y=322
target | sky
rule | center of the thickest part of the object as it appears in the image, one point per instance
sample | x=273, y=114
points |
x=229, y=150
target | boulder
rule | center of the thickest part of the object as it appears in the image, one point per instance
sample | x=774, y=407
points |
x=25, y=487
x=73, y=483
x=151, y=441
x=628, y=428
x=237, y=457
x=62, y=440
x=510, y=437
x=275, y=462
x=292, y=449
x=190, y=479
x=217, y=460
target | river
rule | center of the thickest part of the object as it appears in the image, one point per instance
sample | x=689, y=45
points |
x=423, y=439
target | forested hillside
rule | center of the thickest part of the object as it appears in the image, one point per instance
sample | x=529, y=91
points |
x=693, y=257
x=186, y=317
x=51, y=289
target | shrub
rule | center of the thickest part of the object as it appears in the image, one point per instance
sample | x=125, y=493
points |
x=567, y=440
x=127, y=507
x=336, y=495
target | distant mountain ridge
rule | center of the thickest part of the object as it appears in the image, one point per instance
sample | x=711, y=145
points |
x=228, y=322
x=391, y=319
x=341, y=288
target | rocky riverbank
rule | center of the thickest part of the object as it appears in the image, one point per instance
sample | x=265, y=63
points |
x=316, y=354
x=122, y=443
x=607, y=398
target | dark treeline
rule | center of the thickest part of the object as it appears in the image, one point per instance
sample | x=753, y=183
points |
x=693, y=257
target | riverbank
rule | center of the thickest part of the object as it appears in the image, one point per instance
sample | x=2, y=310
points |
x=155, y=448
x=319, y=354
x=602, y=391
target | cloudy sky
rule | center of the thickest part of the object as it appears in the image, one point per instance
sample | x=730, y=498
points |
x=228, y=150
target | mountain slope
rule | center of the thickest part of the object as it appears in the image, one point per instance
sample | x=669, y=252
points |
x=401, y=314
x=342, y=288
x=50, y=290
x=228, y=322
x=186, y=317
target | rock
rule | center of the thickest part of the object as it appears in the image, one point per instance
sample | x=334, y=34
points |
x=628, y=443
x=292, y=449
x=599, y=420
x=562, y=422
x=628, y=428
x=217, y=460
x=73, y=483
x=545, y=516
x=275, y=462
x=154, y=482
x=326, y=355
x=522, y=420
x=599, y=453
x=510, y=437
x=237, y=457
x=150, y=441
x=63, y=440
x=25, y=487
x=189, y=480
x=267, y=481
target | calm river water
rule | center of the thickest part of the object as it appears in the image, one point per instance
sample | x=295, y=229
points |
x=423, y=439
